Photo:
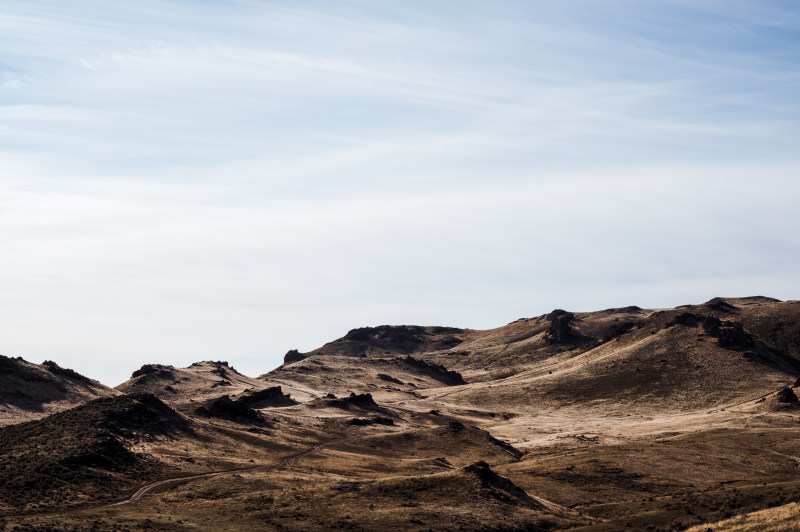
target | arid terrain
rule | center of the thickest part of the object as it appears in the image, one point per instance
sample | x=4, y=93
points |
x=622, y=419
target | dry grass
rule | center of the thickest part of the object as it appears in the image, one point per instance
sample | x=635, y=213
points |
x=783, y=518
x=636, y=422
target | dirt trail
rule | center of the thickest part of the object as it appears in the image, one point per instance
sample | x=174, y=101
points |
x=795, y=458
x=288, y=462
x=147, y=487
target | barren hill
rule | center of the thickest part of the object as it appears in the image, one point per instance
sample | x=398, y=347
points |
x=30, y=391
x=667, y=360
x=84, y=451
x=198, y=382
x=626, y=418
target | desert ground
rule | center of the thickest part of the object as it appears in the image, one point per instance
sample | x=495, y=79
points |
x=621, y=419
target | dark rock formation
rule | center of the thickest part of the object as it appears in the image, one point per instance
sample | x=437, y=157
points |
x=377, y=420
x=734, y=335
x=500, y=487
x=618, y=329
x=140, y=414
x=392, y=339
x=786, y=396
x=437, y=371
x=221, y=371
x=9, y=362
x=273, y=396
x=388, y=378
x=107, y=453
x=154, y=372
x=560, y=331
x=729, y=334
x=363, y=401
x=403, y=338
x=225, y=408
x=720, y=305
x=293, y=355
x=55, y=369
x=456, y=426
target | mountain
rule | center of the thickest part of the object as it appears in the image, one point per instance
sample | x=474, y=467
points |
x=674, y=360
x=620, y=419
x=30, y=391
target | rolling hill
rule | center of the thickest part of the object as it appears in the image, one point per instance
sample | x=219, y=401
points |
x=30, y=391
x=620, y=419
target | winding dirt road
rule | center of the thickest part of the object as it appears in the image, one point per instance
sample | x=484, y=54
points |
x=147, y=487
x=288, y=462
x=795, y=458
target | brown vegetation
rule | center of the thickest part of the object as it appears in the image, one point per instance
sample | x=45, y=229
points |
x=622, y=419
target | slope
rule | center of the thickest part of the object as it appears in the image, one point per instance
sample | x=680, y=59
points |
x=30, y=391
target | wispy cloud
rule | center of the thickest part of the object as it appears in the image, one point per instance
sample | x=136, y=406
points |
x=188, y=180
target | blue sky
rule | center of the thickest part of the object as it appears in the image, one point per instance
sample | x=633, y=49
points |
x=229, y=180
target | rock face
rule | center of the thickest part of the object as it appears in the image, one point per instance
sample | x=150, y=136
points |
x=437, y=371
x=363, y=401
x=365, y=421
x=273, y=396
x=501, y=487
x=560, y=331
x=293, y=355
x=388, y=378
x=402, y=338
x=154, y=372
x=224, y=407
x=733, y=336
x=729, y=334
x=391, y=340
x=786, y=396
x=55, y=369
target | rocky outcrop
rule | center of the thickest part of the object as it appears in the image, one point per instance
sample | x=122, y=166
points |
x=362, y=400
x=293, y=355
x=617, y=330
x=402, y=338
x=729, y=334
x=225, y=408
x=720, y=305
x=786, y=396
x=500, y=487
x=437, y=371
x=272, y=396
x=366, y=421
x=560, y=332
x=55, y=369
x=386, y=340
x=388, y=378
x=153, y=372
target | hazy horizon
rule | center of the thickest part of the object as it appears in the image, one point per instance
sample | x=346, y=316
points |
x=229, y=180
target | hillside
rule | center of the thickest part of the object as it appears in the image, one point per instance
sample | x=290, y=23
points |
x=87, y=451
x=621, y=419
x=198, y=382
x=30, y=391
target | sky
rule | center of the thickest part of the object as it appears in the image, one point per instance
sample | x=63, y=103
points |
x=192, y=180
